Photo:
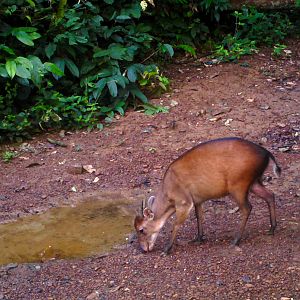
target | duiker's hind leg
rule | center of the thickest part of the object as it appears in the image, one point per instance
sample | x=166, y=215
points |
x=259, y=190
x=241, y=198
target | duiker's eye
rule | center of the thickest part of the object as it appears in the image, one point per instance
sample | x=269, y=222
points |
x=141, y=230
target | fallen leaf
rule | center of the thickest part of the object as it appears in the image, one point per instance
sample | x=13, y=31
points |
x=282, y=125
x=173, y=103
x=33, y=164
x=215, y=119
x=55, y=142
x=264, y=107
x=23, y=157
x=152, y=150
x=73, y=189
x=227, y=122
x=96, y=180
x=234, y=210
x=89, y=168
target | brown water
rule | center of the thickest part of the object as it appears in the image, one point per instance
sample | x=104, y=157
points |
x=67, y=232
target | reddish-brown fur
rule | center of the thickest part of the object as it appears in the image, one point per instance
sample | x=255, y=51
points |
x=230, y=166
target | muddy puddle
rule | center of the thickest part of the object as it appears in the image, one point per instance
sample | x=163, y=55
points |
x=85, y=229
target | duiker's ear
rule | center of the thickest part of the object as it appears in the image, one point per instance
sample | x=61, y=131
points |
x=148, y=213
x=150, y=201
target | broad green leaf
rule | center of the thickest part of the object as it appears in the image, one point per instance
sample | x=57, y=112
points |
x=23, y=29
x=138, y=93
x=109, y=1
x=87, y=67
x=101, y=53
x=123, y=17
x=120, y=110
x=3, y=72
x=113, y=89
x=134, y=10
x=38, y=70
x=7, y=49
x=34, y=35
x=72, y=67
x=117, y=51
x=99, y=86
x=71, y=22
x=25, y=62
x=53, y=68
x=105, y=72
x=131, y=73
x=50, y=49
x=22, y=72
x=121, y=80
x=23, y=81
x=82, y=39
x=11, y=68
x=24, y=37
x=60, y=62
x=169, y=49
x=131, y=51
x=100, y=126
x=31, y=3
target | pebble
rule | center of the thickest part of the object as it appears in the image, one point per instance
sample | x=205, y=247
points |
x=3, y=198
x=75, y=169
x=246, y=279
x=11, y=266
x=93, y=296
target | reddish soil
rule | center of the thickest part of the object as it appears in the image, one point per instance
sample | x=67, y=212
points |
x=257, y=99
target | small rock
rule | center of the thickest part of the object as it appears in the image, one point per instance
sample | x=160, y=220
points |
x=281, y=125
x=93, y=296
x=215, y=119
x=249, y=285
x=284, y=149
x=227, y=122
x=174, y=103
x=234, y=210
x=264, y=140
x=111, y=284
x=246, y=279
x=152, y=150
x=77, y=148
x=3, y=198
x=62, y=133
x=219, y=282
x=264, y=107
x=10, y=266
x=73, y=189
x=37, y=267
x=96, y=179
x=75, y=169
x=89, y=168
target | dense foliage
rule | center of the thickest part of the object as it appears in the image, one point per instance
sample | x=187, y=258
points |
x=79, y=63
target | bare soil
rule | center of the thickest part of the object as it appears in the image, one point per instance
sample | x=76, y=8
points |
x=257, y=99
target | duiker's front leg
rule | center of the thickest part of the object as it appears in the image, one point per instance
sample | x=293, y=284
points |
x=182, y=212
x=199, y=216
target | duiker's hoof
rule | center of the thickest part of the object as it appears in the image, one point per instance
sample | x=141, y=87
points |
x=197, y=241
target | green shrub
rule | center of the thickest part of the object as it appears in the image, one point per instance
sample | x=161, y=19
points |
x=70, y=65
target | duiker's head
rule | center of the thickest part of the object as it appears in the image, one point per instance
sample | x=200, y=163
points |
x=146, y=226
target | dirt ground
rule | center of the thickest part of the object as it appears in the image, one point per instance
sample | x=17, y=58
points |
x=257, y=99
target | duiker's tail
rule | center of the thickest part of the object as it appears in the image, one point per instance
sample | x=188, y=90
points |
x=276, y=168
